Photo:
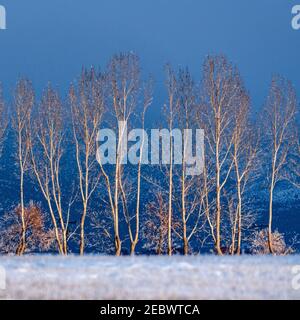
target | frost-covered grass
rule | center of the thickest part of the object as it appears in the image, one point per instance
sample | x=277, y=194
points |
x=100, y=277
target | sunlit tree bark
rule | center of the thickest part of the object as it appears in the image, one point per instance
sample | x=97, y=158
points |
x=23, y=104
x=124, y=87
x=47, y=140
x=87, y=108
x=279, y=123
x=221, y=87
x=244, y=153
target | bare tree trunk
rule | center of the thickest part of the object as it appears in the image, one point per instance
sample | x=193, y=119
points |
x=233, y=234
x=206, y=201
x=118, y=245
x=116, y=201
x=218, y=197
x=65, y=242
x=183, y=200
x=170, y=205
x=270, y=241
x=184, y=236
x=137, y=215
x=272, y=185
x=239, y=243
x=22, y=245
x=87, y=108
x=46, y=153
x=23, y=103
x=281, y=109
x=170, y=194
x=85, y=194
x=82, y=223
x=147, y=103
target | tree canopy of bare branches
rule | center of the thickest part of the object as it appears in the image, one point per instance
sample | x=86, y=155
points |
x=81, y=203
x=23, y=104
x=47, y=147
x=279, y=127
x=87, y=104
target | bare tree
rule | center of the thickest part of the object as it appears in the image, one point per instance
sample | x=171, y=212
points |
x=244, y=153
x=23, y=104
x=170, y=109
x=124, y=88
x=156, y=225
x=155, y=228
x=260, y=243
x=147, y=100
x=87, y=104
x=192, y=196
x=99, y=238
x=207, y=182
x=279, y=124
x=38, y=237
x=47, y=142
x=220, y=92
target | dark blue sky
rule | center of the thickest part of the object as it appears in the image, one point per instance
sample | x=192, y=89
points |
x=52, y=39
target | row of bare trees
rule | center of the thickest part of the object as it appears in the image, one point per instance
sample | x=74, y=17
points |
x=162, y=207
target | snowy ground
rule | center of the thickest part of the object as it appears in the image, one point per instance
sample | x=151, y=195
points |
x=202, y=277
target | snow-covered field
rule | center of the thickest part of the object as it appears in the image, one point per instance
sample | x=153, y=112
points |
x=201, y=277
